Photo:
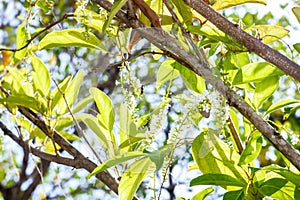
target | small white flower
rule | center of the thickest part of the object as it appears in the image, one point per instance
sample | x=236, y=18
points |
x=295, y=139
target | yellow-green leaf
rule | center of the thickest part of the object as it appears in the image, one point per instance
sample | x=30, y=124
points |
x=296, y=11
x=221, y=4
x=133, y=177
x=41, y=77
x=165, y=73
x=114, y=10
x=268, y=33
x=71, y=38
x=213, y=156
x=105, y=107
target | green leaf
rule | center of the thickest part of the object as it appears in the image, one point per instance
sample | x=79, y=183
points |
x=254, y=72
x=69, y=136
x=90, y=18
x=270, y=183
x=105, y=107
x=289, y=175
x=281, y=104
x=234, y=195
x=71, y=38
x=184, y=11
x=22, y=39
x=273, y=186
x=16, y=81
x=115, y=161
x=268, y=33
x=92, y=122
x=216, y=36
x=297, y=47
x=129, y=133
x=166, y=72
x=132, y=140
x=252, y=149
x=83, y=104
x=158, y=156
x=133, y=177
x=70, y=93
x=221, y=4
x=114, y=10
x=203, y=194
x=22, y=100
x=264, y=90
x=296, y=11
x=217, y=179
x=215, y=157
x=62, y=122
x=41, y=77
x=192, y=81
x=56, y=94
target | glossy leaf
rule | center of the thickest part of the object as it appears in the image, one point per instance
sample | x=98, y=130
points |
x=105, y=107
x=71, y=38
x=21, y=42
x=296, y=11
x=83, y=104
x=165, y=73
x=70, y=93
x=270, y=183
x=133, y=177
x=22, y=100
x=203, y=194
x=264, y=90
x=289, y=175
x=191, y=80
x=56, y=95
x=274, y=187
x=217, y=179
x=254, y=72
x=103, y=135
x=216, y=36
x=69, y=136
x=221, y=4
x=281, y=104
x=115, y=8
x=252, y=149
x=234, y=195
x=129, y=132
x=41, y=77
x=268, y=33
x=184, y=11
x=215, y=157
x=297, y=47
x=115, y=161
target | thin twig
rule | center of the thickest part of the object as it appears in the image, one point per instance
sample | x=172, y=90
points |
x=39, y=33
x=77, y=126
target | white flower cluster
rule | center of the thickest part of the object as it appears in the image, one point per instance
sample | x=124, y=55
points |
x=131, y=89
x=81, y=4
x=219, y=111
x=158, y=123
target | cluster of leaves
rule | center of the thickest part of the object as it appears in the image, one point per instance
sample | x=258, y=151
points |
x=29, y=85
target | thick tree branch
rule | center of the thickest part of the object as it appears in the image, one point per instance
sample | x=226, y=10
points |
x=166, y=42
x=253, y=44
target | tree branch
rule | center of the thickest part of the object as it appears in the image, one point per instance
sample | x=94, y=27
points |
x=166, y=42
x=253, y=44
